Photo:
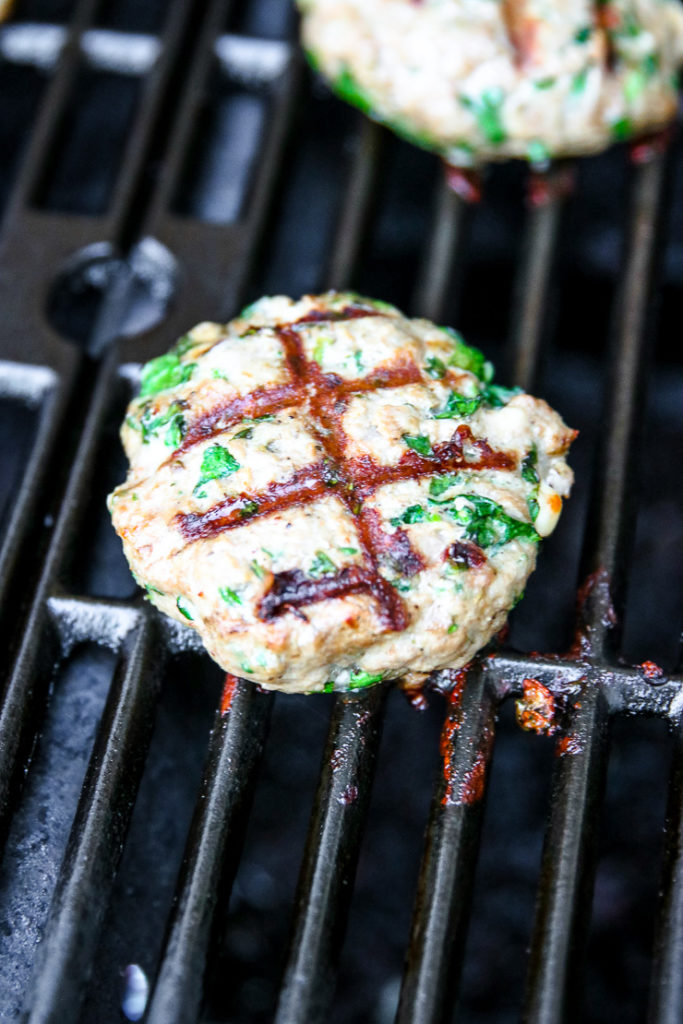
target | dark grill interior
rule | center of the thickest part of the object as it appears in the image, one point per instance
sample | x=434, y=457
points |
x=165, y=163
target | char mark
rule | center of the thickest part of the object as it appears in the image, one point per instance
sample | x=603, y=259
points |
x=521, y=28
x=395, y=547
x=292, y=589
x=465, y=554
x=350, y=312
x=447, y=457
x=302, y=488
x=260, y=402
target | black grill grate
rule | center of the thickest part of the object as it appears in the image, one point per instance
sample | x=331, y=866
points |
x=184, y=227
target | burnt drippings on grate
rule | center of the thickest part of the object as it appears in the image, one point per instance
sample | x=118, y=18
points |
x=170, y=161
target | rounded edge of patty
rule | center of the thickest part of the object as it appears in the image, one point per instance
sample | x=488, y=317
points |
x=378, y=519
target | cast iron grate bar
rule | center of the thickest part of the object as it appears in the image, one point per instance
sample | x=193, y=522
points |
x=356, y=210
x=547, y=195
x=440, y=915
x=613, y=509
x=666, y=991
x=330, y=857
x=565, y=889
x=444, y=887
x=226, y=250
x=213, y=848
x=53, y=103
x=97, y=836
x=56, y=237
x=567, y=867
x=441, y=272
x=28, y=681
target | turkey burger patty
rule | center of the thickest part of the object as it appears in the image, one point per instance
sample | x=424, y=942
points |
x=331, y=493
x=480, y=80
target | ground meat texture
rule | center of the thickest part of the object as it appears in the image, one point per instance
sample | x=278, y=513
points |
x=480, y=80
x=331, y=493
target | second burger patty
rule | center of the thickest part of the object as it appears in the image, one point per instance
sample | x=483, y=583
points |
x=480, y=80
x=332, y=493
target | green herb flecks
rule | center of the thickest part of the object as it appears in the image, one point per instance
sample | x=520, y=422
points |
x=529, y=466
x=634, y=85
x=438, y=485
x=487, y=111
x=348, y=89
x=402, y=585
x=622, y=129
x=181, y=605
x=229, y=596
x=164, y=372
x=249, y=508
x=435, y=367
x=321, y=343
x=492, y=395
x=413, y=514
x=358, y=680
x=453, y=626
x=322, y=565
x=529, y=471
x=348, y=551
x=497, y=396
x=579, y=82
x=245, y=434
x=650, y=65
x=258, y=570
x=630, y=26
x=537, y=153
x=486, y=523
x=168, y=425
x=583, y=34
x=457, y=406
x=248, y=311
x=358, y=359
x=184, y=344
x=217, y=462
x=544, y=83
x=420, y=444
x=466, y=357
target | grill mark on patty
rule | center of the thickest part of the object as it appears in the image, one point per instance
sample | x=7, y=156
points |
x=606, y=19
x=521, y=30
x=292, y=589
x=396, y=547
x=465, y=554
x=321, y=316
x=327, y=408
x=403, y=371
x=261, y=401
x=449, y=456
x=302, y=487
x=350, y=479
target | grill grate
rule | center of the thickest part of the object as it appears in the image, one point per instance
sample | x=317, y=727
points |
x=194, y=246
